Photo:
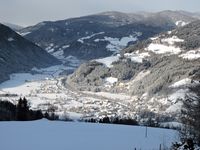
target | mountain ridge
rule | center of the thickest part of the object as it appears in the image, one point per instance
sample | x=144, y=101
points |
x=156, y=72
x=95, y=36
x=18, y=54
x=14, y=27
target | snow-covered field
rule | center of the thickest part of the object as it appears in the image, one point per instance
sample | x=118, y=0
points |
x=136, y=56
x=168, y=46
x=116, y=44
x=107, y=61
x=162, y=49
x=57, y=135
x=191, y=55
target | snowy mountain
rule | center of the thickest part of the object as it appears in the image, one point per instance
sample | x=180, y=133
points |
x=155, y=73
x=94, y=36
x=102, y=34
x=19, y=55
x=142, y=81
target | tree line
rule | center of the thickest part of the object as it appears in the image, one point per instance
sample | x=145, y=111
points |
x=22, y=112
x=113, y=120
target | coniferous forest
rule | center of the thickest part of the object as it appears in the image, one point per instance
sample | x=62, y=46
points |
x=22, y=112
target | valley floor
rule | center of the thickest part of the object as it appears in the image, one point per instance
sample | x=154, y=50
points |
x=44, y=88
x=52, y=135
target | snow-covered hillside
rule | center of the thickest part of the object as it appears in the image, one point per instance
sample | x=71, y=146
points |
x=156, y=74
x=150, y=77
x=48, y=135
x=99, y=35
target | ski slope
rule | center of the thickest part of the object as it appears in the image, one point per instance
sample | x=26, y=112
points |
x=57, y=135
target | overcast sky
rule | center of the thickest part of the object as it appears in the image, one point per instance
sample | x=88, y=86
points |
x=28, y=12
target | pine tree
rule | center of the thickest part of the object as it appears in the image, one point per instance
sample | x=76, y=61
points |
x=7, y=111
x=191, y=115
x=22, y=110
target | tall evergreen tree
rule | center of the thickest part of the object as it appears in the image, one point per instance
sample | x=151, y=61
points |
x=22, y=110
x=191, y=115
x=7, y=111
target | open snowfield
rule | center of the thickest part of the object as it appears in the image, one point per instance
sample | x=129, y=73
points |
x=107, y=61
x=55, y=135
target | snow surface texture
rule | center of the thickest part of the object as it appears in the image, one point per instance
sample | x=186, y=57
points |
x=25, y=83
x=163, y=49
x=10, y=39
x=137, y=57
x=111, y=80
x=176, y=99
x=25, y=33
x=168, y=46
x=81, y=40
x=164, y=45
x=183, y=82
x=51, y=135
x=171, y=125
x=116, y=44
x=107, y=61
x=181, y=23
x=191, y=55
x=59, y=54
x=172, y=40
